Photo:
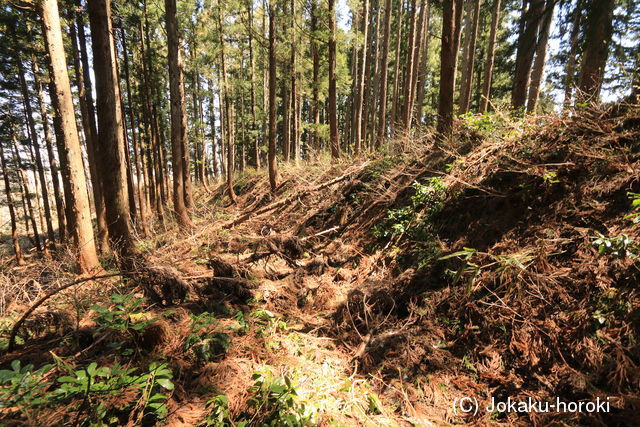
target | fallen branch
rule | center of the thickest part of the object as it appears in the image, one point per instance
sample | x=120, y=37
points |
x=18, y=324
x=291, y=198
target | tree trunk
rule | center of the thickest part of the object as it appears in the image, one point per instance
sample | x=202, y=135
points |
x=411, y=58
x=87, y=112
x=424, y=65
x=227, y=114
x=12, y=213
x=371, y=101
x=594, y=59
x=574, y=44
x=332, y=107
x=491, y=55
x=178, y=119
x=530, y=21
x=469, y=55
x=53, y=164
x=273, y=171
x=315, y=106
x=27, y=194
x=541, y=54
x=362, y=67
x=384, y=74
x=36, y=146
x=37, y=195
x=396, y=74
x=77, y=199
x=254, y=122
x=452, y=10
x=140, y=183
x=295, y=143
x=112, y=163
x=212, y=120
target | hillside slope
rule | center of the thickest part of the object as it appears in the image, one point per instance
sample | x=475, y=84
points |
x=380, y=292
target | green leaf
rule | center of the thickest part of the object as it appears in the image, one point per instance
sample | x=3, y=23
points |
x=166, y=383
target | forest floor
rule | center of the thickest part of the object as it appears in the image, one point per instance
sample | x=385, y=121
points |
x=378, y=292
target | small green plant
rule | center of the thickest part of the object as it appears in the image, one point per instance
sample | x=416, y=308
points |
x=26, y=390
x=124, y=315
x=468, y=364
x=208, y=347
x=275, y=402
x=609, y=305
x=618, y=247
x=218, y=415
x=378, y=168
x=486, y=122
x=374, y=405
x=205, y=345
x=467, y=269
x=550, y=177
x=427, y=199
x=243, y=326
x=635, y=207
x=23, y=388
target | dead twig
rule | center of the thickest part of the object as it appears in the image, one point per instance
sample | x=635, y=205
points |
x=292, y=197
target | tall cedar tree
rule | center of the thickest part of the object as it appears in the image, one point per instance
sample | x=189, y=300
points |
x=594, y=59
x=452, y=11
x=12, y=214
x=179, y=143
x=73, y=171
x=469, y=54
x=273, y=171
x=530, y=20
x=541, y=54
x=491, y=55
x=333, y=99
x=87, y=112
x=111, y=161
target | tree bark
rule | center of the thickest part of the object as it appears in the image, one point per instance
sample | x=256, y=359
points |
x=424, y=65
x=396, y=75
x=77, y=199
x=384, y=74
x=212, y=120
x=411, y=58
x=15, y=239
x=469, y=55
x=362, y=66
x=87, y=112
x=53, y=164
x=574, y=44
x=491, y=55
x=134, y=137
x=541, y=54
x=112, y=164
x=452, y=10
x=315, y=105
x=594, y=59
x=295, y=142
x=332, y=107
x=27, y=194
x=227, y=114
x=254, y=122
x=273, y=171
x=36, y=146
x=179, y=144
x=530, y=20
